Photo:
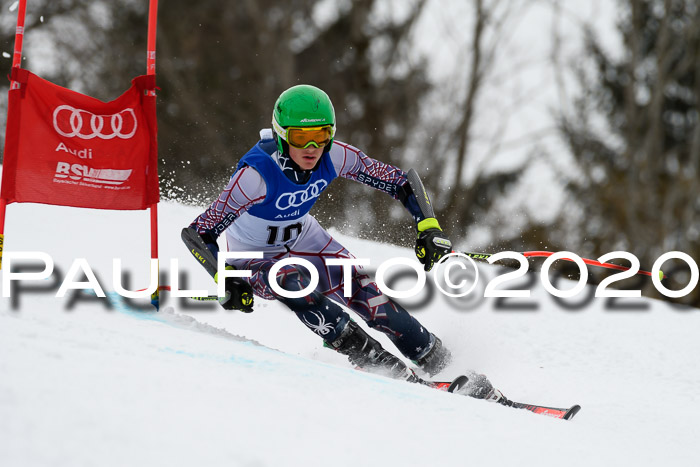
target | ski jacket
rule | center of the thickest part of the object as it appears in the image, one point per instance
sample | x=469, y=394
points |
x=261, y=208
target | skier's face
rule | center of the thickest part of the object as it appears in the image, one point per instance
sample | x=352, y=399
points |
x=306, y=158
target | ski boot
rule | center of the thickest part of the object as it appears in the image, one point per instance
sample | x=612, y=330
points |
x=435, y=358
x=478, y=386
x=366, y=353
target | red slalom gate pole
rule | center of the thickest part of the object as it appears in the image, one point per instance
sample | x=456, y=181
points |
x=16, y=63
x=591, y=262
x=545, y=254
x=19, y=40
x=3, y=207
x=151, y=47
x=151, y=70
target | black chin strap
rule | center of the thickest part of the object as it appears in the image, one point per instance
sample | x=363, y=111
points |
x=292, y=170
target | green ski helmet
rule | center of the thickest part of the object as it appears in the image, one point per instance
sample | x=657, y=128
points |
x=302, y=106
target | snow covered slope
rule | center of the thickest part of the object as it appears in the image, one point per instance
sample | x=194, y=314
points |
x=86, y=385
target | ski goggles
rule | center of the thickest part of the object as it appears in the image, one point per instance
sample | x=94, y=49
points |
x=304, y=137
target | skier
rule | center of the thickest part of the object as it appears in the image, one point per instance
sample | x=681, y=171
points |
x=265, y=208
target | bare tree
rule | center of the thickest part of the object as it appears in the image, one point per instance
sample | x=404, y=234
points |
x=463, y=190
x=639, y=189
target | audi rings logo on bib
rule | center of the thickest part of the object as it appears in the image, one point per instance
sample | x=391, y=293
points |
x=71, y=122
x=296, y=199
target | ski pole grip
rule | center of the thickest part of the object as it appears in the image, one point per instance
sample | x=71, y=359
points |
x=422, y=197
x=199, y=250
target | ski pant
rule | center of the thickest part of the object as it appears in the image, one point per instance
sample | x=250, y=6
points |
x=320, y=310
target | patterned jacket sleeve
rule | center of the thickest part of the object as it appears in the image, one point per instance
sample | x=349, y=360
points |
x=351, y=163
x=245, y=189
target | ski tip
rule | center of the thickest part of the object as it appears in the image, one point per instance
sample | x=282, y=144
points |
x=571, y=412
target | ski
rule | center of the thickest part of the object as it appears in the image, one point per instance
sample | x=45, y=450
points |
x=554, y=412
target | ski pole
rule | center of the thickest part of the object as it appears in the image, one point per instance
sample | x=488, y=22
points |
x=484, y=257
x=201, y=299
x=206, y=298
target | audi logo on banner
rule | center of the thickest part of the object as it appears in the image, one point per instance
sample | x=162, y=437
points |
x=296, y=199
x=71, y=122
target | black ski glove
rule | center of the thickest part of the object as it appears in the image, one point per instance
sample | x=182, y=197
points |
x=432, y=243
x=239, y=294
